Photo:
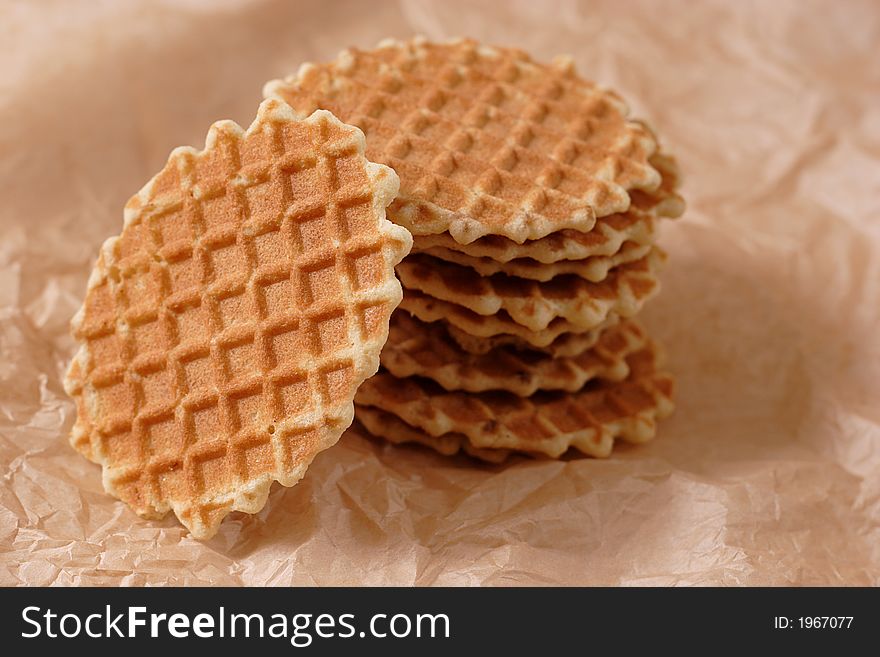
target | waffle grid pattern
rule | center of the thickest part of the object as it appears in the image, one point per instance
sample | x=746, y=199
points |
x=485, y=141
x=220, y=382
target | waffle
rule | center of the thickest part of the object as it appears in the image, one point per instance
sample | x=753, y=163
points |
x=665, y=201
x=485, y=140
x=429, y=309
x=594, y=268
x=530, y=304
x=606, y=239
x=566, y=345
x=608, y=236
x=546, y=423
x=225, y=331
x=379, y=424
x=418, y=349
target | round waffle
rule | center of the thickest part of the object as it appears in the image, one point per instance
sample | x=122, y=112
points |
x=225, y=331
x=486, y=141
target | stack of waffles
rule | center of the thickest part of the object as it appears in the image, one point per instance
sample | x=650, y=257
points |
x=233, y=328
x=533, y=201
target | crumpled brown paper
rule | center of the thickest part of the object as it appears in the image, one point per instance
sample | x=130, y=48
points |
x=768, y=473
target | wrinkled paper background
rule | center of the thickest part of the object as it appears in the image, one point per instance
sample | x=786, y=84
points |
x=768, y=473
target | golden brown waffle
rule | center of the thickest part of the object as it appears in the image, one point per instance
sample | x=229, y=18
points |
x=536, y=306
x=485, y=140
x=665, y=201
x=606, y=239
x=566, y=345
x=379, y=424
x=608, y=236
x=418, y=349
x=594, y=268
x=225, y=331
x=546, y=423
x=429, y=309
x=499, y=328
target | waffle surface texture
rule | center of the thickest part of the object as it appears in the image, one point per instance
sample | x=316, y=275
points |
x=225, y=331
x=485, y=140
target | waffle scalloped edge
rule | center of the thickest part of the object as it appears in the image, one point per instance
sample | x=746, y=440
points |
x=202, y=513
x=592, y=268
x=418, y=349
x=537, y=312
x=382, y=424
x=546, y=423
x=605, y=240
x=608, y=236
x=565, y=345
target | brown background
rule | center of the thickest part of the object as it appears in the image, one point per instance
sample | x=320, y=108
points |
x=769, y=472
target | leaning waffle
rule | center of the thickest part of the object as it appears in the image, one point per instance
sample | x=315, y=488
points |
x=225, y=331
x=418, y=349
x=381, y=424
x=485, y=140
x=594, y=268
x=545, y=423
x=534, y=305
